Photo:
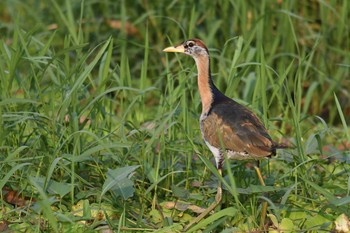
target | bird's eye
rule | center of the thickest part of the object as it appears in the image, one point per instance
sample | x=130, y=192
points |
x=190, y=44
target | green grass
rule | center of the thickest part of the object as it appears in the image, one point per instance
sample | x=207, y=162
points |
x=99, y=128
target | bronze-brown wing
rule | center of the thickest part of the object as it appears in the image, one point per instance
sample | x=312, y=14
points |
x=237, y=129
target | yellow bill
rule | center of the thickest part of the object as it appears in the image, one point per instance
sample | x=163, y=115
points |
x=177, y=49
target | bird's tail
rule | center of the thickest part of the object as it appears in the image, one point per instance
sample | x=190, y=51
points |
x=282, y=145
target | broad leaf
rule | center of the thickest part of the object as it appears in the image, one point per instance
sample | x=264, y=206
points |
x=124, y=188
x=118, y=181
x=53, y=187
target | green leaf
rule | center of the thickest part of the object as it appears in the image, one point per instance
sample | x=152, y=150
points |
x=88, y=154
x=180, y=192
x=150, y=172
x=84, y=75
x=155, y=216
x=286, y=225
x=53, y=187
x=228, y=212
x=124, y=188
x=330, y=197
x=4, y=180
x=262, y=189
x=86, y=209
x=342, y=117
x=297, y=215
x=273, y=220
x=12, y=156
x=341, y=201
x=45, y=204
x=118, y=181
x=316, y=222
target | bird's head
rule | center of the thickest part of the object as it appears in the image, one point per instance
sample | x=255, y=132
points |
x=193, y=47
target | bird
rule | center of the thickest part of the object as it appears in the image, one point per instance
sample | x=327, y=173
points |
x=228, y=128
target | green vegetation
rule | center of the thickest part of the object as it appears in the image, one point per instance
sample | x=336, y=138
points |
x=99, y=128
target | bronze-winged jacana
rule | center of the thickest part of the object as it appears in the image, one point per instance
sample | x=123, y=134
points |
x=227, y=127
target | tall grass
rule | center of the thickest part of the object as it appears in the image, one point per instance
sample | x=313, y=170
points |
x=99, y=128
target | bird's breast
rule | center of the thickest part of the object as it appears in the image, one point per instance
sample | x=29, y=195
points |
x=212, y=129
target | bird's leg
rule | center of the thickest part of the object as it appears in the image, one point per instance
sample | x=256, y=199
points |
x=264, y=205
x=218, y=197
x=260, y=177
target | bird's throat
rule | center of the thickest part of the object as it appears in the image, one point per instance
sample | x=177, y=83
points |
x=204, y=83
